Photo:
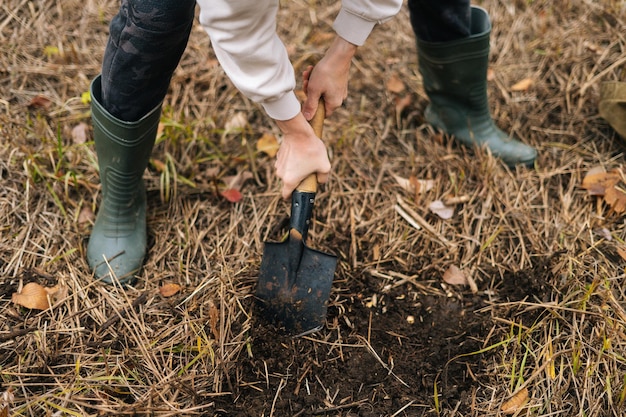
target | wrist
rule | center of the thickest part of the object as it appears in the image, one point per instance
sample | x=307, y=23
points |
x=296, y=127
x=341, y=50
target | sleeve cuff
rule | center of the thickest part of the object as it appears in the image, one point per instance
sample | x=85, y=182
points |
x=284, y=108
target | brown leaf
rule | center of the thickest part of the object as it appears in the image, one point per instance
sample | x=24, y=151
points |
x=608, y=185
x=236, y=181
x=232, y=195
x=214, y=319
x=40, y=102
x=32, y=296
x=403, y=102
x=522, y=85
x=168, y=290
x=597, y=180
x=395, y=84
x=516, y=402
x=491, y=74
x=6, y=399
x=58, y=292
x=621, y=252
x=86, y=215
x=616, y=198
x=454, y=276
x=414, y=185
x=268, y=144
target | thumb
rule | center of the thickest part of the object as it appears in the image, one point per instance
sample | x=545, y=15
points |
x=322, y=177
x=286, y=191
x=310, y=105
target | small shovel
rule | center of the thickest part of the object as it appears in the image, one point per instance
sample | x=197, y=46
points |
x=295, y=280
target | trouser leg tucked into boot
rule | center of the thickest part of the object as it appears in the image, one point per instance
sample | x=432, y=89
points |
x=455, y=78
x=117, y=245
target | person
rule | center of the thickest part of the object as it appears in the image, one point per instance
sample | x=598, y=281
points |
x=146, y=41
x=453, y=56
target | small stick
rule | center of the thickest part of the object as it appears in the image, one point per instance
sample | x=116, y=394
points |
x=16, y=333
x=424, y=223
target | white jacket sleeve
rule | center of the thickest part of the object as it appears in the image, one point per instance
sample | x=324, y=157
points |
x=244, y=38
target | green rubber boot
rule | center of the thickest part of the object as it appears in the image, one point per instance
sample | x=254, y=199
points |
x=455, y=79
x=117, y=245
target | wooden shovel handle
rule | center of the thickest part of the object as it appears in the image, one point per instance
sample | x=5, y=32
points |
x=309, y=184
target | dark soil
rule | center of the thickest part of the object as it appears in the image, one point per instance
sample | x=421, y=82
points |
x=384, y=358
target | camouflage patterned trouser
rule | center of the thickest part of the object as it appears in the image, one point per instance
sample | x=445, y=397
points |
x=147, y=39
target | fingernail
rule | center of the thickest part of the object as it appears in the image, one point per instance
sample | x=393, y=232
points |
x=307, y=115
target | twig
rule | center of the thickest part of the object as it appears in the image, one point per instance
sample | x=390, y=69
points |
x=403, y=408
x=383, y=364
x=16, y=333
x=422, y=222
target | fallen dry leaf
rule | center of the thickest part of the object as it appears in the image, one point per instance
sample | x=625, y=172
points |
x=440, y=209
x=6, y=399
x=621, y=252
x=86, y=215
x=454, y=276
x=491, y=74
x=58, y=292
x=403, y=102
x=608, y=185
x=395, y=84
x=214, y=318
x=516, y=402
x=237, y=122
x=236, y=182
x=414, y=185
x=33, y=296
x=616, y=198
x=168, y=290
x=268, y=144
x=232, y=195
x=522, y=85
x=597, y=180
x=40, y=102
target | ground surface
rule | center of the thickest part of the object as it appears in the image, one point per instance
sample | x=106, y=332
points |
x=538, y=332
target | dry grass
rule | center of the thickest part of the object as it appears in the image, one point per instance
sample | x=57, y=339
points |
x=103, y=350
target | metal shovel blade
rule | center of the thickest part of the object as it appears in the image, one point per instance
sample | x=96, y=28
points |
x=294, y=295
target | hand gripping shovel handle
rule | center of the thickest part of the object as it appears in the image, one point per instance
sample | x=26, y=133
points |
x=309, y=184
x=303, y=198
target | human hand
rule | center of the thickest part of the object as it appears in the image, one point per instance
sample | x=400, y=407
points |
x=328, y=79
x=301, y=154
